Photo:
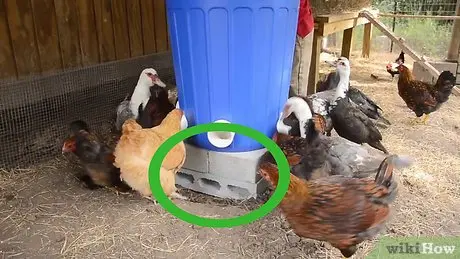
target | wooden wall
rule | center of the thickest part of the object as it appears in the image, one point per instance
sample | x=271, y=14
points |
x=45, y=36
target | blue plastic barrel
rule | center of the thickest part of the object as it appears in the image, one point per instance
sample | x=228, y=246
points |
x=233, y=61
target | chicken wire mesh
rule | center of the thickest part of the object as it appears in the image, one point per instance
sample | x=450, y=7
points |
x=35, y=113
x=417, y=7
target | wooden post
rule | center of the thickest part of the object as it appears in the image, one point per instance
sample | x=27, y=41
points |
x=346, y=42
x=367, y=38
x=314, y=65
x=452, y=54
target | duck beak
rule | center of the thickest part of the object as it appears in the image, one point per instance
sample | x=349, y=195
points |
x=331, y=63
x=157, y=81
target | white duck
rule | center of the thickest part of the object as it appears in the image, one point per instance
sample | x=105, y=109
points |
x=129, y=108
x=299, y=107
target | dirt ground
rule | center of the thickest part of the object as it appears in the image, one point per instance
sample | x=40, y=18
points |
x=46, y=213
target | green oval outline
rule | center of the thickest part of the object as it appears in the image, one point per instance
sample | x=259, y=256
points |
x=262, y=211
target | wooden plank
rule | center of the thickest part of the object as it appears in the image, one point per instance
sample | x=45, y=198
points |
x=367, y=39
x=167, y=29
x=103, y=11
x=379, y=25
x=136, y=43
x=47, y=35
x=347, y=42
x=454, y=46
x=7, y=62
x=89, y=45
x=330, y=28
x=120, y=29
x=161, y=33
x=67, y=21
x=21, y=28
x=314, y=65
x=148, y=26
x=329, y=18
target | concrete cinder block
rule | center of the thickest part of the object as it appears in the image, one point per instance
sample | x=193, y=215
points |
x=218, y=186
x=225, y=175
x=196, y=159
x=240, y=166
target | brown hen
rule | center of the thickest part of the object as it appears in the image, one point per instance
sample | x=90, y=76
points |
x=340, y=210
x=96, y=158
x=423, y=98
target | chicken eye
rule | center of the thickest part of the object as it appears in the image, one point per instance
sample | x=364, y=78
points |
x=149, y=74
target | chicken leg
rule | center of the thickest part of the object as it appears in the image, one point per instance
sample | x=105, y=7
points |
x=425, y=119
x=151, y=199
x=422, y=120
x=176, y=195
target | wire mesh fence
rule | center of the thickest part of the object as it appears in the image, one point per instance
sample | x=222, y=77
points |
x=35, y=113
x=417, y=7
x=427, y=36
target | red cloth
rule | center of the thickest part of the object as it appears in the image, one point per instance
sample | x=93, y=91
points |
x=306, y=23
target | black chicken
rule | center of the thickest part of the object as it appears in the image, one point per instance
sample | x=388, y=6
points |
x=156, y=108
x=96, y=158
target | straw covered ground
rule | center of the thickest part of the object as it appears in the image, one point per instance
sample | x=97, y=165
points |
x=46, y=213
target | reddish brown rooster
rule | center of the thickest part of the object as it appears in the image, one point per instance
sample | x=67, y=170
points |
x=343, y=211
x=423, y=98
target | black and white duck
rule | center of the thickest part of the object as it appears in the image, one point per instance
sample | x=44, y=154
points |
x=326, y=89
x=348, y=120
x=129, y=108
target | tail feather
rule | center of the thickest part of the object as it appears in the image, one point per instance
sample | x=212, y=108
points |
x=78, y=125
x=444, y=85
x=384, y=174
x=385, y=120
x=385, y=178
x=378, y=145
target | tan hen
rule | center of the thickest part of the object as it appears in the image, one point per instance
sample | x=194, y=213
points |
x=136, y=148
